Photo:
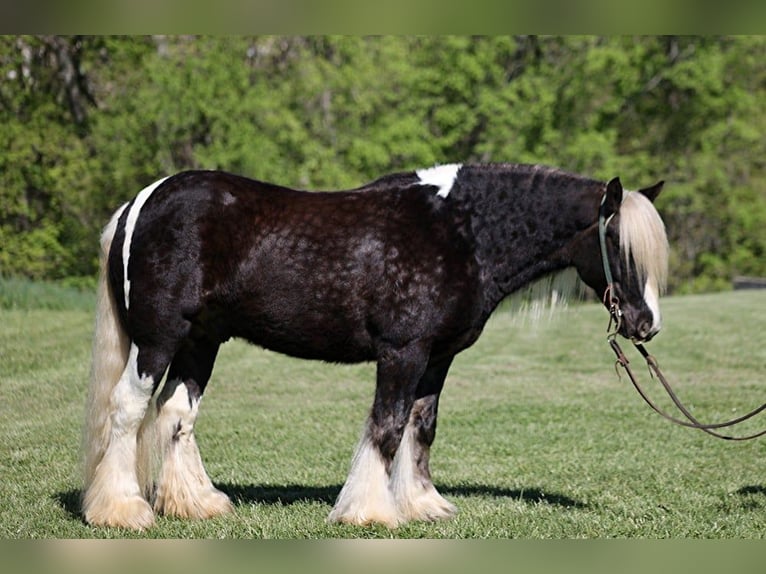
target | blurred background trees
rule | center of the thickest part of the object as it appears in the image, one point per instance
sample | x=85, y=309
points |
x=86, y=122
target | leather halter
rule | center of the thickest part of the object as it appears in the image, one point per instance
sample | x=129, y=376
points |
x=610, y=298
x=615, y=318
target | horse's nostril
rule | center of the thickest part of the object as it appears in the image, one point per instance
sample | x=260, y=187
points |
x=644, y=330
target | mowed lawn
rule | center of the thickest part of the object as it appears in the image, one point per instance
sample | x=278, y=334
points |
x=537, y=437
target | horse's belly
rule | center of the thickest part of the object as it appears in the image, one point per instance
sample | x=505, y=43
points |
x=309, y=337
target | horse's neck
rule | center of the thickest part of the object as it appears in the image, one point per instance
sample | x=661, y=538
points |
x=521, y=232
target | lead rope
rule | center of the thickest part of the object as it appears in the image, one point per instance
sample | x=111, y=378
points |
x=612, y=302
x=692, y=421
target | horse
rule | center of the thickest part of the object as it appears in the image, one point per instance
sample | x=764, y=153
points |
x=404, y=271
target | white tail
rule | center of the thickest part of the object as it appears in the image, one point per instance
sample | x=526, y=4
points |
x=110, y=356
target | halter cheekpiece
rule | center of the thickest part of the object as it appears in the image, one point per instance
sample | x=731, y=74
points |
x=610, y=298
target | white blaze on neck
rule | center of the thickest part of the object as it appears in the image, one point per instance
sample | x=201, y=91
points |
x=130, y=225
x=441, y=176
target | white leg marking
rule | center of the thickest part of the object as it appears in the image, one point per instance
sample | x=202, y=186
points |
x=366, y=497
x=442, y=176
x=184, y=489
x=114, y=497
x=415, y=495
x=130, y=225
x=653, y=302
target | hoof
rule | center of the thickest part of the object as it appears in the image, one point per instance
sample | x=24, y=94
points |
x=428, y=506
x=133, y=512
x=364, y=517
x=206, y=504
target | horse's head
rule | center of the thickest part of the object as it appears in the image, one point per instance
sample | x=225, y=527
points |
x=626, y=259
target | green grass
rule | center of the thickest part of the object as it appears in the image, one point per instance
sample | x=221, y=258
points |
x=23, y=294
x=537, y=437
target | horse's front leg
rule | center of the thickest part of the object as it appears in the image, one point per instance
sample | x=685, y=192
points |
x=367, y=496
x=415, y=495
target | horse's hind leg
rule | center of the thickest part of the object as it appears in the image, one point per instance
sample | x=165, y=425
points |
x=114, y=496
x=414, y=492
x=183, y=487
x=366, y=496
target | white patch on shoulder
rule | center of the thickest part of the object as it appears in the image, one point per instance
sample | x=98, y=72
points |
x=130, y=225
x=441, y=176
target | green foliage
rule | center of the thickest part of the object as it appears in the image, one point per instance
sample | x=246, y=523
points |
x=85, y=122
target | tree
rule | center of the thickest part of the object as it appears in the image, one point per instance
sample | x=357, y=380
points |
x=86, y=122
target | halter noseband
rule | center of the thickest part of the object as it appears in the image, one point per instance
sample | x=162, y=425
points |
x=610, y=298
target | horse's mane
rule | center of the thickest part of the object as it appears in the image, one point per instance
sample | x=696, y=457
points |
x=642, y=237
x=550, y=293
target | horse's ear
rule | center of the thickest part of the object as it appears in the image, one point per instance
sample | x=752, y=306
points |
x=613, y=197
x=652, y=192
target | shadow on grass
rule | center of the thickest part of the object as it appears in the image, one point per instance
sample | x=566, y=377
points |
x=291, y=493
x=279, y=494
x=287, y=494
x=529, y=495
x=751, y=497
x=752, y=490
x=69, y=500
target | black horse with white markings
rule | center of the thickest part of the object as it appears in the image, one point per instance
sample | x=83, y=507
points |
x=404, y=271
